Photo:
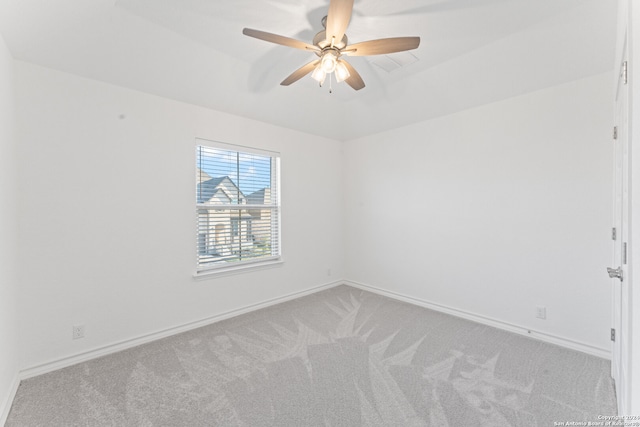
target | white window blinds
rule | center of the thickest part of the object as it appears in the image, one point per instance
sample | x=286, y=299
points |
x=237, y=205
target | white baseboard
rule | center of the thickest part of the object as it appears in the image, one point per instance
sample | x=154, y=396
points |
x=542, y=336
x=5, y=406
x=133, y=342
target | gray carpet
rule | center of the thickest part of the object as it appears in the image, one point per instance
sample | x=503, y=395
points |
x=341, y=357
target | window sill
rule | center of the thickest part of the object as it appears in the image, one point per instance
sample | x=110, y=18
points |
x=237, y=269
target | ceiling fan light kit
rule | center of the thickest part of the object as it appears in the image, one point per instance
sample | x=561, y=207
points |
x=331, y=44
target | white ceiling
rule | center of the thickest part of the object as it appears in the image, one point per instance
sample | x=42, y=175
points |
x=472, y=52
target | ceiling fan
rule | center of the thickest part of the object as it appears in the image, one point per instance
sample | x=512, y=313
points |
x=331, y=44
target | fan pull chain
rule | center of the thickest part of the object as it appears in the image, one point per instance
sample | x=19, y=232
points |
x=330, y=81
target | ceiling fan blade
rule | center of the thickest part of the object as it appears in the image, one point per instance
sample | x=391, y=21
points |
x=354, y=80
x=300, y=73
x=382, y=46
x=284, y=41
x=338, y=19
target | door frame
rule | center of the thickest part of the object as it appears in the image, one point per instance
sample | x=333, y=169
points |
x=621, y=179
x=629, y=28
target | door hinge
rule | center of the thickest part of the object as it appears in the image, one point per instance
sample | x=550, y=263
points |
x=613, y=335
x=624, y=253
x=625, y=72
x=613, y=233
x=615, y=132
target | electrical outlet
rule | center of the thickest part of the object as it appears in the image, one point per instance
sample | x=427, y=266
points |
x=541, y=312
x=77, y=331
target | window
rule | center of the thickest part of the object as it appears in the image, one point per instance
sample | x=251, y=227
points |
x=237, y=206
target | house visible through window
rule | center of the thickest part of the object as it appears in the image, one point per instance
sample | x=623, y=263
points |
x=237, y=206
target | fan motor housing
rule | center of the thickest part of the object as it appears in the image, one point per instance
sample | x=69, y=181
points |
x=321, y=41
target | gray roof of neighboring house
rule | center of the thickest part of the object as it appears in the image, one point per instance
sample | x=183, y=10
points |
x=257, y=197
x=201, y=175
x=207, y=189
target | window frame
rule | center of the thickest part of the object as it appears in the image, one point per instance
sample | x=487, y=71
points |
x=274, y=207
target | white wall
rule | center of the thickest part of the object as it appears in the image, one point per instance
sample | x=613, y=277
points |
x=8, y=224
x=107, y=216
x=493, y=211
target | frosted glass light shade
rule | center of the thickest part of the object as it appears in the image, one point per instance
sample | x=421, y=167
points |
x=318, y=74
x=328, y=62
x=342, y=73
